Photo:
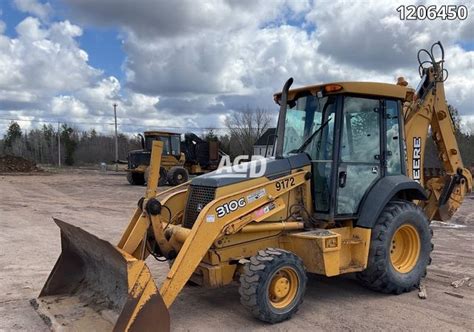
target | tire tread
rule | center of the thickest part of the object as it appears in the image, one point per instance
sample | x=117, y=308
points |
x=255, y=273
x=375, y=276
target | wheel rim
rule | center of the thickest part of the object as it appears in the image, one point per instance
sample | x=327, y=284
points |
x=405, y=248
x=180, y=177
x=283, y=287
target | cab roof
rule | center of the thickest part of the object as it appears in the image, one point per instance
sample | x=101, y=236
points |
x=365, y=88
x=160, y=132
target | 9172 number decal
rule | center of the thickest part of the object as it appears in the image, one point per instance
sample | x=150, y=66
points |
x=232, y=206
x=284, y=184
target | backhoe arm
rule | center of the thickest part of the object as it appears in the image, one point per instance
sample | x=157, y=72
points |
x=427, y=108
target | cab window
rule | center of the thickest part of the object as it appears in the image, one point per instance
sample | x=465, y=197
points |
x=360, y=137
x=175, y=145
x=359, y=165
x=392, y=120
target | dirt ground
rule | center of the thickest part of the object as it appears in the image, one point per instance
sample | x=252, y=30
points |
x=103, y=203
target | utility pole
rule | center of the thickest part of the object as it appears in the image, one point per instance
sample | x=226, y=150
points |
x=116, y=138
x=59, y=147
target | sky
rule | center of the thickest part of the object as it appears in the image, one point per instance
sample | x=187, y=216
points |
x=187, y=65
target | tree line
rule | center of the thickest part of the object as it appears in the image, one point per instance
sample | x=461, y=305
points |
x=90, y=147
x=42, y=145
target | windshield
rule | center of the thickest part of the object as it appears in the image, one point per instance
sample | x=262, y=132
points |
x=166, y=143
x=149, y=142
x=304, y=116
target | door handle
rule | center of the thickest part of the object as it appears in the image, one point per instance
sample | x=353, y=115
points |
x=342, y=179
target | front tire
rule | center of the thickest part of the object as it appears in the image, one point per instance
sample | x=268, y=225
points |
x=177, y=175
x=400, y=249
x=273, y=284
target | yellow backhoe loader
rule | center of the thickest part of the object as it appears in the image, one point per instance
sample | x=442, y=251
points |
x=179, y=159
x=345, y=193
x=172, y=163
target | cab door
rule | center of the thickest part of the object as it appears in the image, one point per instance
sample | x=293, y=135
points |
x=360, y=161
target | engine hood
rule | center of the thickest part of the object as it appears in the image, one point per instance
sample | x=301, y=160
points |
x=275, y=168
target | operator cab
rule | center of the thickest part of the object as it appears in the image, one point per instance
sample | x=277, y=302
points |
x=171, y=142
x=353, y=139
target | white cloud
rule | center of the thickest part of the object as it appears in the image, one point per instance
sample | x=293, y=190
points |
x=30, y=29
x=168, y=19
x=203, y=60
x=45, y=75
x=372, y=36
x=68, y=106
x=40, y=63
x=34, y=7
x=460, y=86
x=232, y=51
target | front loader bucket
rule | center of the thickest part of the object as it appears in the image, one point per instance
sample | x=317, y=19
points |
x=95, y=286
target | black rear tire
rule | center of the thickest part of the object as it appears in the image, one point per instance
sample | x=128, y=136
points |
x=177, y=175
x=258, y=281
x=163, y=181
x=135, y=179
x=386, y=271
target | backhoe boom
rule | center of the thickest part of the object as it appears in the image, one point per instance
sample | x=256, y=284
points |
x=427, y=112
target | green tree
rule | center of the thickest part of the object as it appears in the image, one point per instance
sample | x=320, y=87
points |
x=455, y=117
x=70, y=144
x=464, y=138
x=211, y=136
x=48, y=134
x=13, y=134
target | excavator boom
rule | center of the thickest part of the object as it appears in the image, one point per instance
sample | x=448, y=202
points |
x=427, y=112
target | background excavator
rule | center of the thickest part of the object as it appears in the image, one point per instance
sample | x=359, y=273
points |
x=345, y=193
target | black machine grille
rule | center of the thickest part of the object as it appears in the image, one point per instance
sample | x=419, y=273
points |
x=137, y=158
x=198, y=198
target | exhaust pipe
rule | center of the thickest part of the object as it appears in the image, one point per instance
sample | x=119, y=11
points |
x=281, y=118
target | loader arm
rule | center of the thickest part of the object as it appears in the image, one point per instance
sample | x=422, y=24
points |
x=425, y=109
x=209, y=226
x=133, y=240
